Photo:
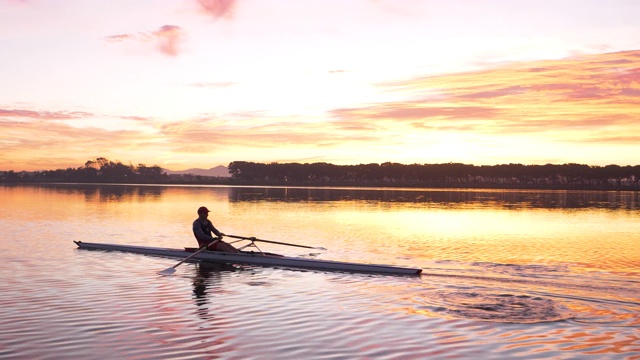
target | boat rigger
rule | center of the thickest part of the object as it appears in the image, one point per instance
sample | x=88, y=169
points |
x=251, y=258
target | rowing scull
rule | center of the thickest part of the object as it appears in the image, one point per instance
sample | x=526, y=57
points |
x=250, y=258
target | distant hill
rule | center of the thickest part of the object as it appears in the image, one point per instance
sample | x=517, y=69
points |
x=220, y=170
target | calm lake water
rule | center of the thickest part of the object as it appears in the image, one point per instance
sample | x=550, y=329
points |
x=507, y=274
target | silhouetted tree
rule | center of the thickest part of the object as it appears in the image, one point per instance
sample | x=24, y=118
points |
x=445, y=174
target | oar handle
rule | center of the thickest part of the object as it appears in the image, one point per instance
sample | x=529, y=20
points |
x=274, y=242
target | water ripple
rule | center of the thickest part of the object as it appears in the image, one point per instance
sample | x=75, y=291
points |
x=517, y=284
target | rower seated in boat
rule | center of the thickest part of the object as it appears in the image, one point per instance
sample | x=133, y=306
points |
x=203, y=230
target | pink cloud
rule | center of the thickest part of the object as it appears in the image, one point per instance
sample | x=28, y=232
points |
x=138, y=118
x=194, y=135
x=169, y=37
x=218, y=8
x=572, y=99
x=616, y=139
x=507, y=91
x=37, y=140
x=409, y=111
x=43, y=115
x=118, y=38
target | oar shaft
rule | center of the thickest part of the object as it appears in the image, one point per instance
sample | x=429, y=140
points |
x=171, y=270
x=272, y=242
x=190, y=256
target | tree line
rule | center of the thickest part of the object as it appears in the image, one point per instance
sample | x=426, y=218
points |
x=93, y=171
x=565, y=176
x=439, y=175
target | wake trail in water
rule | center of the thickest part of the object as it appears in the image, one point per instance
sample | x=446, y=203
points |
x=528, y=294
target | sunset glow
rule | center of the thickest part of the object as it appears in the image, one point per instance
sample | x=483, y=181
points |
x=201, y=83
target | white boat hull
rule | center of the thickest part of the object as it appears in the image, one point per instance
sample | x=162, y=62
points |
x=254, y=259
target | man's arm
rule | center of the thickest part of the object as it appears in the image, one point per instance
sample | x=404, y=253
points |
x=215, y=231
x=197, y=230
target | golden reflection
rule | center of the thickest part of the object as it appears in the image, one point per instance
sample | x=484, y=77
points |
x=489, y=258
x=573, y=228
x=498, y=235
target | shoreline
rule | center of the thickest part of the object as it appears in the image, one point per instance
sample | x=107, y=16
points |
x=350, y=184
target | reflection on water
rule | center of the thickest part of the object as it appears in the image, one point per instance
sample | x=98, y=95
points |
x=568, y=199
x=506, y=274
x=206, y=283
x=448, y=197
x=106, y=192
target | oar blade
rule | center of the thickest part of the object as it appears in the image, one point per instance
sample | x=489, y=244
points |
x=167, y=271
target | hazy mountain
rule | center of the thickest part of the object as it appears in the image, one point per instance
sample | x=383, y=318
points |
x=215, y=171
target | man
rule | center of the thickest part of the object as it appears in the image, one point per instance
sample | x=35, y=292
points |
x=202, y=229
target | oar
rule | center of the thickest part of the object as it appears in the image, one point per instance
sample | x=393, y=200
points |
x=274, y=242
x=171, y=270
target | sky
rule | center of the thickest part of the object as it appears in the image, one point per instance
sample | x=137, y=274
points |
x=202, y=83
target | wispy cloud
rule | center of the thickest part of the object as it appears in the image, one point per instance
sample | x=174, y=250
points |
x=617, y=139
x=415, y=111
x=579, y=102
x=43, y=115
x=168, y=38
x=219, y=134
x=195, y=138
x=218, y=8
x=571, y=98
x=120, y=37
x=44, y=144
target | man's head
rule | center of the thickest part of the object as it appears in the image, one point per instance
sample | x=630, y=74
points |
x=203, y=211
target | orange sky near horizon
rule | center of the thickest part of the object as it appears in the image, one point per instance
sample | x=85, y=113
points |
x=291, y=86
